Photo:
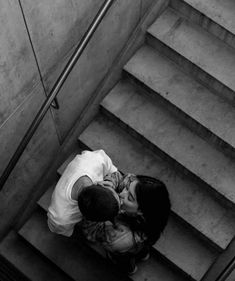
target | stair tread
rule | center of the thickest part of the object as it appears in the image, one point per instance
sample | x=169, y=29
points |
x=68, y=160
x=85, y=264
x=45, y=200
x=103, y=133
x=175, y=240
x=25, y=259
x=73, y=257
x=162, y=76
x=197, y=45
x=175, y=234
x=221, y=12
x=162, y=129
x=221, y=228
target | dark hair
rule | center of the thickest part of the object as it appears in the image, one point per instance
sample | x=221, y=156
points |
x=154, y=203
x=97, y=203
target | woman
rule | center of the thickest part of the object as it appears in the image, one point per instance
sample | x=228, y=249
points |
x=145, y=208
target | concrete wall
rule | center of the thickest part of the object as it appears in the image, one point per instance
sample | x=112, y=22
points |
x=54, y=28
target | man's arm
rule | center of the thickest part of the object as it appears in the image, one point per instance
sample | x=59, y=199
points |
x=66, y=230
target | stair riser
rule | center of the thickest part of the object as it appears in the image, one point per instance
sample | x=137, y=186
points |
x=174, y=214
x=182, y=225
x=176, y=165
x=190, y=68
x=158, y=255
x=192, y=124
x=197, y=17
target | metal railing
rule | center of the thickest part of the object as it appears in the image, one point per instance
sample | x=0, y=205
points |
x=53, y=93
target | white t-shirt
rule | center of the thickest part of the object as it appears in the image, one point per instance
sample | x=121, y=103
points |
x=63, y=212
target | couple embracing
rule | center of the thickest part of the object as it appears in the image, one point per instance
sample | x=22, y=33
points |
x=122, y=214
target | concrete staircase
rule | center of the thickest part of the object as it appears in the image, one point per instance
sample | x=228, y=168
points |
x=171, y=116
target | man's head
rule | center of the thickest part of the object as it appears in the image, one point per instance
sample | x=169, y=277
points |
x=98, y=203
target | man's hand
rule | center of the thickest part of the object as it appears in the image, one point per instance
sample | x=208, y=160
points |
x=106, y=183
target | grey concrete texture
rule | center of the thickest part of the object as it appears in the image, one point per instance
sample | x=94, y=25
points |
x=208, y=18
x=154, y=269
x=191, y=44
x=70, y=255
x=177, y=243
x=181, y=247
x=18, y=72
x=95, y=62
x=54, y=29
x=54, y=40
x=164, y=131
x=27, y=173
x=221, y=12
x=162, y=76
x=27, y=260
x=56, y=26
x=194, y=204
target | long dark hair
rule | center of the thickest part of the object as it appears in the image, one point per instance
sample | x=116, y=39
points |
x=154, y=203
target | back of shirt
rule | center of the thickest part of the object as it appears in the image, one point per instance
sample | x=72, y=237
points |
x=63, y=212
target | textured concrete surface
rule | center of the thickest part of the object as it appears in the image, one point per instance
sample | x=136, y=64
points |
x=180, y=239
x=30, y=168
x=162, y=76
x=12, y=131
x=151, y=270
x=130, y=156
x=54, y=29
x=181, y=247
x=57, y=27
x=191, y=202
x=221, y=12
x=201, y=16
x=27, y=260
x=231, y=276
x=72, y=256
x=18, y=72
x=162, y=129
x=197, y=46
x=194, y=204
x=21, y=95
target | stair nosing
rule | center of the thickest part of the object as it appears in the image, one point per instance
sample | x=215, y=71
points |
x=189, y=60
x=209, y=130
x=81, y=138
x=208, y=15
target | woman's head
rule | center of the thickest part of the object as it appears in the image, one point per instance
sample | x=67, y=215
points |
x=148, y=197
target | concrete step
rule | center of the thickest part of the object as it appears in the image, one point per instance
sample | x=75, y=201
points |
x=186, y=250
x=202, y=110
x=163, y=133
x=45, y=200
x=215, y=16
x=67, y=161
x=198, y=52
x=80, y=262
x=150, y=270
x=75, y=258
x=197, y=210
x=176, y=236
x=28, y=261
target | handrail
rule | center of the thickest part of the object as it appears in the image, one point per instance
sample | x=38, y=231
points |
x=57, y=86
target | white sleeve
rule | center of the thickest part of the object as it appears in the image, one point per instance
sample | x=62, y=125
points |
x=66, y=230
x=108, y=166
